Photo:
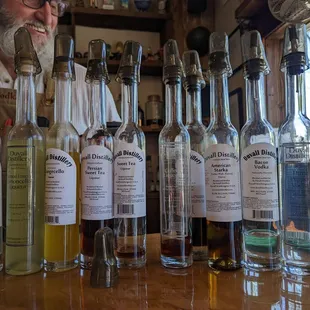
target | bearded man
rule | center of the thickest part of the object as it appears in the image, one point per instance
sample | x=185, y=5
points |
x=40, y=17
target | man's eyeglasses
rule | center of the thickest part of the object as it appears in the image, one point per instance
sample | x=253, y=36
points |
x=58, y=7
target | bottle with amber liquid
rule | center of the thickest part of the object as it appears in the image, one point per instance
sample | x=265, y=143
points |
x=223, y=196
x=62, y=181
x=97, y=156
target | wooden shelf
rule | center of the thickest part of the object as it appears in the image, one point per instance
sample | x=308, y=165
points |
x=115, y=19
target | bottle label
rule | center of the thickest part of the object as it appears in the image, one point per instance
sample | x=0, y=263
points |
x=297, y=153
x=223, y=184
x=198, y=183
x=129, y=181
x=60, y=188
x=260, y=183
x=20, y=195
x=97, y=183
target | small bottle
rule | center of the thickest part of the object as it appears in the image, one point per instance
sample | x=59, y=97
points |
x=97, y=156
x=24, y=250
x=62, y=181
x=260, y=203
x=224, y=217
x=174, y=169
x=294, y=156
x=130, y=167
x=193, y=83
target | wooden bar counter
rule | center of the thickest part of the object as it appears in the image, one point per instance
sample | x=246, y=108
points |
x=155, y=287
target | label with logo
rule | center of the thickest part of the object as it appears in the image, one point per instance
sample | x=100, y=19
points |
x=260, y=183
x=223, y=184
x=299, y=152
x=129, y=181
x=60, y=188
x=97, y=183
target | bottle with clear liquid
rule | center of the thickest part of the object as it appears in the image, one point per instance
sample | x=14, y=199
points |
x=97, y=156
x=62, y=181
x=223, y=197
x=193, y=83
x=24, y=250
x=130, y=167
x=259, y=186
x=294, y=156
x=174, y=169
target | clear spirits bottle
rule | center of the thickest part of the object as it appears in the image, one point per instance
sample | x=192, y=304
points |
x=97, y=156
x=130, y=167
x=62, y=181
x=294, y=156
x=24, y=250
x=174, y=169
x=260, y=202
x=193, y=83
x=224, y=216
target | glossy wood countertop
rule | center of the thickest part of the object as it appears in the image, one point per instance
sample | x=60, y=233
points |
x=155, y=287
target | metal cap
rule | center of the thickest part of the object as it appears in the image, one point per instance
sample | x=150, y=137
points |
x=64, y=56
x=104, y=272
x=295, y=48
x=129, y=68
x=26, y=59
x=219, y=62
x=253, y=54
x=97, y=62
x=193, y=72
x=173, y=67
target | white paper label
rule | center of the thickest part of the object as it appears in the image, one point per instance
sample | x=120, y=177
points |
x=60, y=188
x=97, y=183
x=129, y=181
x=260, y=183
x=198, y=183
x=223, y=184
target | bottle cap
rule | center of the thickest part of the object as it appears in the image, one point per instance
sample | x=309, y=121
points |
x=253, y=52
x=129, y=68
x=192, y=68
x=26, y=59
x=97, y=62
x=295, y=49
x=104, y=272
x=64, y=56
x=173, y=67
x=219, y=62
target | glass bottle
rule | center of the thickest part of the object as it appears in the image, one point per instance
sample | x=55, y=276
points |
x=174, y=169
x=193, y=83
x=260, y=203
x=62, y=212
x=224, y=217
x=24, y=250
x=97, y=156
x=294, y=156
x=130, y=166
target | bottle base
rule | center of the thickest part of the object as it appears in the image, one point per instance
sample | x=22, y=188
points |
x=131, y=263
x=21, y=270
x=224, y=264
x=86, y=261
x=61, y=266
x=296, y=269
x=176, y=262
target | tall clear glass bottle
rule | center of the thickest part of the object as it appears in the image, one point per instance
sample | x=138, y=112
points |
x=62, y=212
x=174, y=169
x=224, y=216
x=24, y=248
x=129, y=167
x=260, y=201
x=294, y=156
x=97, y=156
x=193, y=83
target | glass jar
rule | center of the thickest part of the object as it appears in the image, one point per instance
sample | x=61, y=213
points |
x=154, y=110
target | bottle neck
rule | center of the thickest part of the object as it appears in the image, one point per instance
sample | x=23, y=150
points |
x=62, y=109
x=255, y=94
x=98, y=104
x=26, y=99
x=173, y=102
x=193, y=105
x=129, y=102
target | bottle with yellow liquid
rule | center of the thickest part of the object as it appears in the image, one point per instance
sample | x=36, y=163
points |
x=62, y=217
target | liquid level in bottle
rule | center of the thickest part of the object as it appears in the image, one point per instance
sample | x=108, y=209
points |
x=199, y=235
x=62, y=243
